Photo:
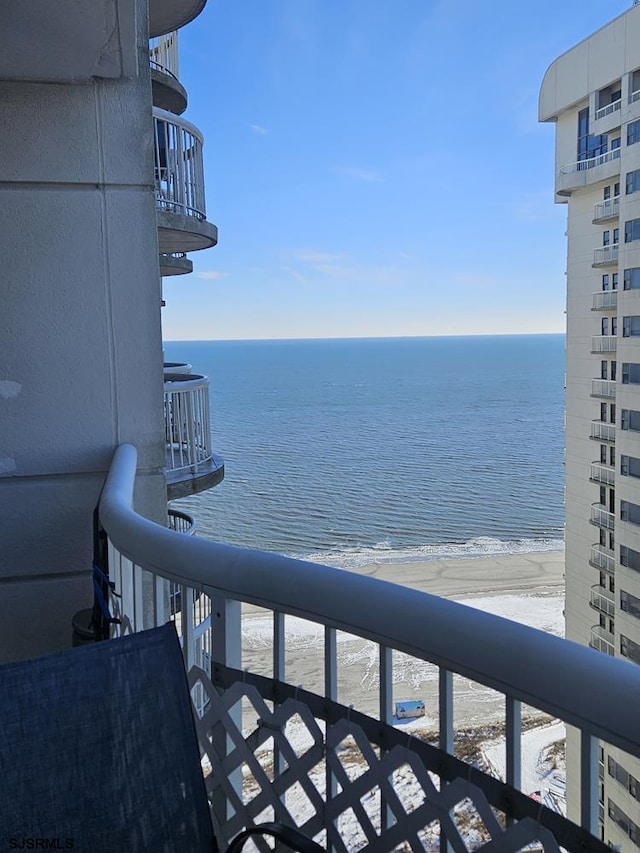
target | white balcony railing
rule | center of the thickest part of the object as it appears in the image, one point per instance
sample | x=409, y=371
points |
x=603, y=431
x=634, y=96
x=179, y=169
x=605, y=256
x=605, y=300
x=608, y=209
x=601, y=516
x=608, y=109
x=602, y=640
x=163, y=53
x=602, y=600
x=604, y=343
x=523, y=664
x=601, y=558
x=603, y=388
x=591, y=163
x=187, y=423
x=602, y=474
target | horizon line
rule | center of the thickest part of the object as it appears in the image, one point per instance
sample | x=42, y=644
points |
x=365, y=337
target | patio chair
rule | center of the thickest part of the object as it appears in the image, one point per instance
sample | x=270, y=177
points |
x=98, y=752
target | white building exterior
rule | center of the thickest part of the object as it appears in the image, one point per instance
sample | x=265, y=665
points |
x=592, y=93
x=94, y=190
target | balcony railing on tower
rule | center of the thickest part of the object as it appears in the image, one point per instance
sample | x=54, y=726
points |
x=607, y=209
x=163, y=53
x=191, y=464
x=605, y=256
x=605, y=300
x=434, y=637
x=179, y=167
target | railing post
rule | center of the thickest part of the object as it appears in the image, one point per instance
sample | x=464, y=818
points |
x=589, y=782
x=445, y=709
x=513, y=745
x=331, y=692
x=226, y=649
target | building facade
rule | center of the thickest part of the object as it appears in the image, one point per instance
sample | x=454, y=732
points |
x=592, y=94
x=102, y=191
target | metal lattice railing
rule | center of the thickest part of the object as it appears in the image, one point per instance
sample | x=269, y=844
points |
x=401, y=627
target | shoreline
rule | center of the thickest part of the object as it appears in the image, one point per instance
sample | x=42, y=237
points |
x=527, y=587
x=467, y=577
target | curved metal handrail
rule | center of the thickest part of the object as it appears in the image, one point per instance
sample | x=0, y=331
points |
x=179, y=167
x=554, y=675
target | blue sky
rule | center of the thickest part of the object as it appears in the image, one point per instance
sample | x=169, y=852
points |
x=376, y=168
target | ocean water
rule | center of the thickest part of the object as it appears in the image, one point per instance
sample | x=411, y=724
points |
x=395, y=449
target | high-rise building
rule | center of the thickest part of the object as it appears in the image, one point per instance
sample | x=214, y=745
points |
x=102, y=191
x=592, y=93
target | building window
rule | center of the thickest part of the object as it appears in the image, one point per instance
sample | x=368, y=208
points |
x=633, y=131
x=632, y=182
x=603, y=368
x=630, y=604
x=629, y=512
x=629, y=558
x=612, y=457
x=603, y=454
x=588, y=145
x=614, y=365
x=629, y=782
x=605, y=281
x=632, y=230
x=629, y=649
x=605, y=238
x=616, y=189
x=624, y=822
x=604, y=326
x=630, y=419
x=607, y=193
x=631, y=326
x=631, y=279
x=616, y=236
x=614, y=281
x=612, y=409
x=630, y=373
x=629, y=466
x=614, y=325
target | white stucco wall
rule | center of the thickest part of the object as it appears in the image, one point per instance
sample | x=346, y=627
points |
x=80, y=338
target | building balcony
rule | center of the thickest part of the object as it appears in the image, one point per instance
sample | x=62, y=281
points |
x=602, y=600
x=608, y=209
x=608, y=109
x=176, y=264
x=605, y=256
x=601, y=517
x=191, y=465
x=585, y=172
x=179, y=176
x=602, y=640
x=603, y=388
x=601, y=431
x=602, y=558
x=604, y=343
x=439, y=640
x=602, y=474
x=167, y=91
x=172, y=367
x=634, y=96
x=168, y=15
x=605, y=300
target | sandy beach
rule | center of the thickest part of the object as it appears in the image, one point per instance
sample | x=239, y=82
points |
x=527, y=587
